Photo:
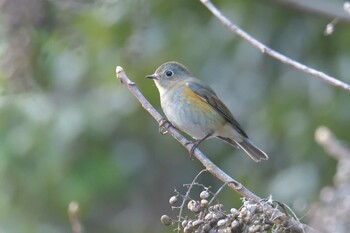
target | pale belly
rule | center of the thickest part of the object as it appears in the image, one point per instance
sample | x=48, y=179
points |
x=190, y=117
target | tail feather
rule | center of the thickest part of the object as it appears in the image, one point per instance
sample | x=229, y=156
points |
x=255, y=153
x=230, y=141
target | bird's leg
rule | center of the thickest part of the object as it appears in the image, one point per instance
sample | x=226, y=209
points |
x=163, y=128
x=196, y=143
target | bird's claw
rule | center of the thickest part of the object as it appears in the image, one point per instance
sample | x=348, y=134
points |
x=162, y=128
x=194, y=146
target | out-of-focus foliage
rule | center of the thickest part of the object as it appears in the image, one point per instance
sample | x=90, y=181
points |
x=70, y=131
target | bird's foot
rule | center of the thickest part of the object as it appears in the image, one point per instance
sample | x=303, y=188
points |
x=163, y=126
x=196, y=144
x=193, y=147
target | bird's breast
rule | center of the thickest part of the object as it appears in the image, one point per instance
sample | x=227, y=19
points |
x=190, y=113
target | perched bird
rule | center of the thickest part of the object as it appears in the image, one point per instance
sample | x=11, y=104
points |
x=194, y=108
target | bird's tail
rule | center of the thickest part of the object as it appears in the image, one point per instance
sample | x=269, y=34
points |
x=254, y=152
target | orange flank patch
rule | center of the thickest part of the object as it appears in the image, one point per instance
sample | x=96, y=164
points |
x=196, y=100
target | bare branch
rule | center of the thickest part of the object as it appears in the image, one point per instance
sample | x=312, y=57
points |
x=280, y=57
x=73, y=213
x=331, y=144
x=334, y=199
x=211, y=167
x=290, y=223
x=324, y=8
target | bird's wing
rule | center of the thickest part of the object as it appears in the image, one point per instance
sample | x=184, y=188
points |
x=209, y=96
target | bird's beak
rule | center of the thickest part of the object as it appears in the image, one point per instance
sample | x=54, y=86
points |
x=152, y=76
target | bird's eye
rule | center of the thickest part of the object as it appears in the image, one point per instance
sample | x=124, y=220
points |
x=169, y=73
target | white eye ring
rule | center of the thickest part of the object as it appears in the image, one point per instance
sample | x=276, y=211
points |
x=169, y=73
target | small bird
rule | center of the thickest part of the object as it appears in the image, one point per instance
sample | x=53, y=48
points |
x=194, y=108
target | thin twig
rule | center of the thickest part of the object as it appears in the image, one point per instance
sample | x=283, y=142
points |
x=185, y=198
x=292, y=224
x=280, y=57
x=217, y=193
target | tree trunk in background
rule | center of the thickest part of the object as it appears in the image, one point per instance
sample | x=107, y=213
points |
x=19, y=17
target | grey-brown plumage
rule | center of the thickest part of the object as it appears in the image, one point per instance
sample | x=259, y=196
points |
x=193, y=107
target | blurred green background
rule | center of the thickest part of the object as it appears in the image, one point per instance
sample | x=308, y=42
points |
x=70, y=131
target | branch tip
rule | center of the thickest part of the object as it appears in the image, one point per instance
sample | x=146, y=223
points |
x=119, y=69
x=121, y=76
x=322, y=134
x=73, y=207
